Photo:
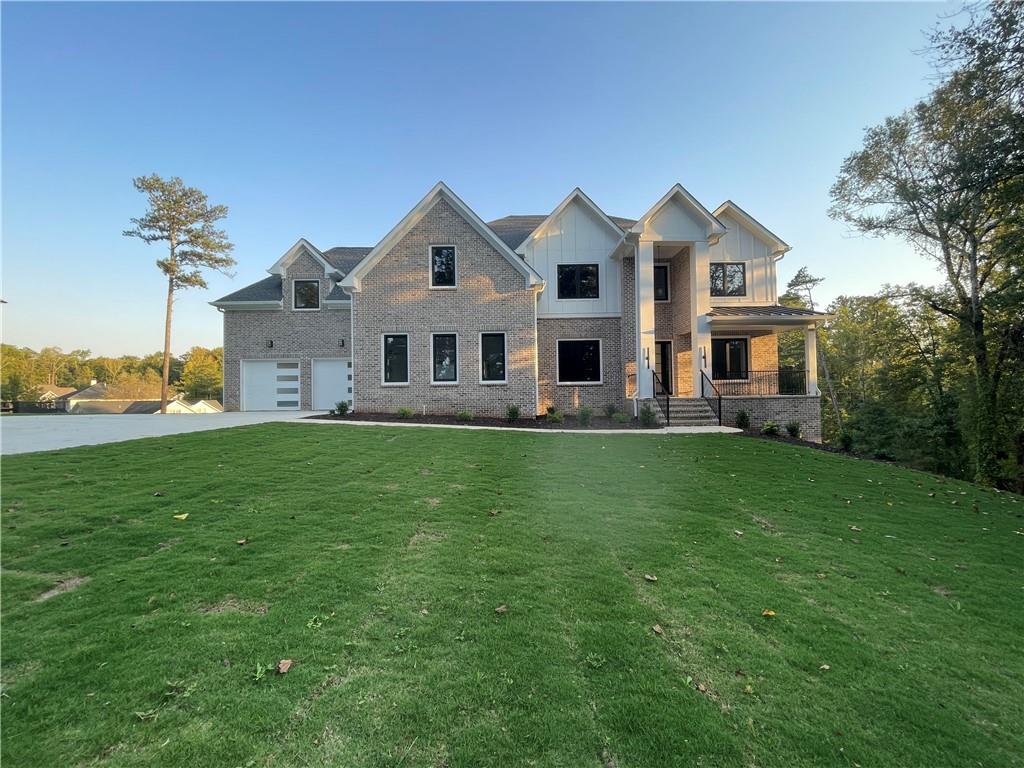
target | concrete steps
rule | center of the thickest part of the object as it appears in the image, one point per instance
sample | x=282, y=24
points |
x=691, y=412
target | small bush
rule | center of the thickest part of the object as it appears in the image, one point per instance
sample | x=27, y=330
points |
x=846, y=441
x=793, y=428
x=512, y=412
x=742, y=419
x=620, y=417
x=552, y=409
x=464, y=416
x=609, y=410
x=341, y=408
x=583, y=415
x=648, y=418
x=405, y=412
x=770, y=428
x=554, y=416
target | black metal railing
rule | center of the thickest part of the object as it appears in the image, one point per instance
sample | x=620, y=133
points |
x=760, y=383
x=711, y=395
x=660, y=387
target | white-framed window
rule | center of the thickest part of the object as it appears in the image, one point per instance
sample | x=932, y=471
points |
x=394, y=359
x=444, y=272
x=305, y=295
x=493, y=356
x=662, y=282
x=444, y=358
x=728, y=278
x=579, y=281
x=730, y=358
x=579, y=361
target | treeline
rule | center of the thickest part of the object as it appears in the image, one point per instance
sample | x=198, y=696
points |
x=196, y=374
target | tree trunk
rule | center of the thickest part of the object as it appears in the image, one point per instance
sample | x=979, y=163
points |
x=167, y=346
x=986, y=465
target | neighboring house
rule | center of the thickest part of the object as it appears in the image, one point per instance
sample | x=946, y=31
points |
x=450, y=313
x=175, y=406
x=94, y=399
x=49, y=393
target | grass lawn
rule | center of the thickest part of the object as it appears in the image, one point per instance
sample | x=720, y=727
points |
x=376, y=559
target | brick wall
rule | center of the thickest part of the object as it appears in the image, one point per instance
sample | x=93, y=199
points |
x=296, y=335
x=569, y=398
x=781, y=409
x=491, y=296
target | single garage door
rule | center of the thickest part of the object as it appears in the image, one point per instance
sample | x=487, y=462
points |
x=270, y=385
x=332, y=383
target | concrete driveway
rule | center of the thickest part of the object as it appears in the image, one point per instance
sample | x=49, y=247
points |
x=25, y=434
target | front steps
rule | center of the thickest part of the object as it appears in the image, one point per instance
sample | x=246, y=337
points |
x=690, y=412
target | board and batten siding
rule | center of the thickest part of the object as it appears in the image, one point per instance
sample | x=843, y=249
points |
x=739, y=244
x=577, y=236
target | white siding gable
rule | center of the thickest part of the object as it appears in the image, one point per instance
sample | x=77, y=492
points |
x=675, y=221
x=576, y=236
x=740, y=244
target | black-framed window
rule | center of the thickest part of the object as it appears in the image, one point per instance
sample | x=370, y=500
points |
x=730, y=358
x=445, y=358
x=579, y=361
x=661, y=290
x=728, y=279
x=306, y=294
x=396, y=358
x=578, y=281
x=442, y=266
x=492, y=357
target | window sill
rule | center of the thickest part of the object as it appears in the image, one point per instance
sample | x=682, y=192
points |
x=444, y=383
x=307, y=309
x=443, y=287
x=502, y=383
x=394, y=383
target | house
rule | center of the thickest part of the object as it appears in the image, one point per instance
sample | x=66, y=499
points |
x=175, y=406
x=50, y=393
x=677, y=309
x=94, y=399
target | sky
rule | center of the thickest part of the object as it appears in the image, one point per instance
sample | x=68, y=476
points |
x=330, y=121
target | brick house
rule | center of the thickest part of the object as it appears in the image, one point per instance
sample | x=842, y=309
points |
x=449, y=313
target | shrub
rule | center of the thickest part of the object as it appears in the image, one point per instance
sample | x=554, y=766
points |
x=620, y=417
x=648, y=418
x=341, y=408
x=846, y=441
x=770, y=428
x=512, y=412
x=583, y=415
x=554, y=416
x=405, y=412
x=742, y=419
x=609, y=410
x=793, y=428
x=552, y=409
x=464, y=416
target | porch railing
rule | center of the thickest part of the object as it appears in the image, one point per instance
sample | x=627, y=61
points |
x=760, y=383
x=711, y=395
x=667, y=407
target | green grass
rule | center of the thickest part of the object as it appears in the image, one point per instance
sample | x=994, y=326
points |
x=376, y=559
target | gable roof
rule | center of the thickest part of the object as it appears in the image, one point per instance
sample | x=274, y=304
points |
x=267, y=290
x=344, y=257
x=715, y=227
x=92, y=392
x=776, y=243
x=143, y=406
x=281, y=265
x=515, y=229
x=440, y=191
x=54, y=390
x=576, y=195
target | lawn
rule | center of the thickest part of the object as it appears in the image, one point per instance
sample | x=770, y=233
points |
x=375, y=560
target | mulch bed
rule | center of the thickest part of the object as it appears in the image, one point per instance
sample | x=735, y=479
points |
x=568, y=422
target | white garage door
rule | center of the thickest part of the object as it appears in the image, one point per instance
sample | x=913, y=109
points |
x=332, y=383
x=270, y=385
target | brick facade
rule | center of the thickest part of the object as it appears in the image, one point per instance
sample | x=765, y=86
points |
x=568, y=398
x=781, y=409
x=672, y=323
x=491, y=296
x=628, y=325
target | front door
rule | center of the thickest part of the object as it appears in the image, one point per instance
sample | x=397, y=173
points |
x=663, y=365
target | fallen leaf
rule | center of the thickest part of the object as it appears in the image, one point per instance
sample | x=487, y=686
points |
x=182, y=516
x=768, y=612
x=501, y=609
x=424, y=612
x=650, y=577
x=158, y=493
x=658, y=630
x=702, y=688
x=821, y=575
x=854, y=528
x=242, y=542
x=825, y=667
x=283, y=666
x=738, y=532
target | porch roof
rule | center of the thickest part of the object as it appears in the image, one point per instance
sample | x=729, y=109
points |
x=773, y=314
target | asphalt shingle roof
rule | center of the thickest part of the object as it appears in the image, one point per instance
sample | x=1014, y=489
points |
x=267, y=289
x=344, y=257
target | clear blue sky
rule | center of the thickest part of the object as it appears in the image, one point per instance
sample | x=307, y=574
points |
x=330, y=121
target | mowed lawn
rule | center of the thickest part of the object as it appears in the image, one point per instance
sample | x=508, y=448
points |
x=375, y=560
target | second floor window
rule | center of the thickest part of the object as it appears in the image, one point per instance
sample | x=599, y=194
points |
x=578, y=281
x=442, y=266
x=306, y=294
x=661, y=291
x=728, y=279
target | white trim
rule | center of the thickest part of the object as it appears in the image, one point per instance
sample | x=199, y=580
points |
x=241, y=380
x=319, y=301
x=575, y=315
x=576, y=194
x=480, y=358
x=408, y=357
x=430, y=267
x=253, y=305
x=730, y=337
x=600, y=364
x=352, y=352
x=443, y=382
x=668, y=282
x=559, y=265
x=715, y=228
x=777, y=244
x=282, y=264
x=353, y=280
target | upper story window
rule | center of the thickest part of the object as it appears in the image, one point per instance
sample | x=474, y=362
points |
x=661, y=289
x=306, y=294
x=442, y=266
x=578, y=281
x=728, y=279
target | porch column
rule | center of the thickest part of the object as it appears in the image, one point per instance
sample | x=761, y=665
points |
x=811, y=359
x=644, y=319
x=700, y=305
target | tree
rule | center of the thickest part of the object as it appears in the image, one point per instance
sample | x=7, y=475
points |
x=182, y=218
x=202, y=375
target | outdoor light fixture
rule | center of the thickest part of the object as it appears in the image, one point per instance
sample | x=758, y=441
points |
x=270, y=343
x=341, y=343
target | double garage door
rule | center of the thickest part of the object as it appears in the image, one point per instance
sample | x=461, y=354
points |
x=274, y=385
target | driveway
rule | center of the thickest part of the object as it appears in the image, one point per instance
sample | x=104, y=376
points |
x=25, y=434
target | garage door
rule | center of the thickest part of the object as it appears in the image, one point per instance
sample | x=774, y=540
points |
x=332, y=383
x=270, y=385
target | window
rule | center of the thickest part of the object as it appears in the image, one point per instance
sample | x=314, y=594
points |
x=396, y=358
x=661, y=292
x=492, y=358
x=729, y=358
x=728, y=279
x=578, y=281
x=444, y=354
x=442, y=266
x=306, y=294
x=579, y=361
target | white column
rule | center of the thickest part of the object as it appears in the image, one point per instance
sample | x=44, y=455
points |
x=700, y=305
x=811, y=359
x=644, y=319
